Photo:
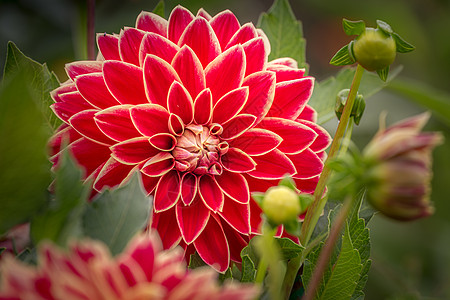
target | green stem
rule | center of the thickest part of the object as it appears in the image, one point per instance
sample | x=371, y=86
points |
x=316, y=208
x=267, y=237
x=347, y=138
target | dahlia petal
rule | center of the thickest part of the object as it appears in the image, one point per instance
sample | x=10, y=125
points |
x=192, y=219
x=188, y=188
x=255, y=217
x=108, y=45
x=225, y=24
x=201, y=38
x=63, y=89
x=234, y=186
x=64, y=134
x=167, y=191
x=226, y=72
x=179, y=102
x=163, y=141
x=69, y=105
x=159, y=76
x=237, y=126
x=261, y=94
x=296, y=136
x=308, y=164
x=308, y=113
x=89, y=155
x=284, y=73
x=84, y=123
x=116, y=123
x=133, y=151
x=210, y=193
x=157, y=45
x=113, y=174
x=150, y=22
x=285, y=61
x=323, y=139
x=255, y=55
x=307, y=185
x=159, y=164
x=212, y=246
x=259, y=185
x=164, y=223
x=273, y=165
x=235, y=240
x=150, y=119
x=204, y=14
x=83, y=67
x=129, y=91
x=229, y=105
x=266, y=41
x=237, y=161
x=93, y=88
x=176, y=125
x=149, y=183
x=291, y=97
x=256, y=141
x=190, y=70
x=129, y=43
x=243, y=35
x=179, y=19
x=203, y=107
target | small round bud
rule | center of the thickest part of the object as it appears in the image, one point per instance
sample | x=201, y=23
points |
x=281, y=205
x=374, y=49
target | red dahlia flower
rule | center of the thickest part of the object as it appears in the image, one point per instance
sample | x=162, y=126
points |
x=194, y=106
x=89, y=272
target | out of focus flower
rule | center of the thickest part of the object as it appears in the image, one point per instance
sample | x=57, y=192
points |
x=87, y=271
x=194, y=105
x=401, y=160
x=16, y=239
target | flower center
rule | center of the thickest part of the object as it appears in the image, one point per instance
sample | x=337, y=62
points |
x=198, y=150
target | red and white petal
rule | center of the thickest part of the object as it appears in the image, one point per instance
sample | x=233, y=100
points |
x=237, y=126
x=149, y=183
x=204, y=14
x=157, y=45
x=225, y=24
x=234, y=186
x=296, y=136
x=179, y=102
x=129, y=91
x=190, y=70
x=273, y=165
x=284, y=73
x=307, y=163
x=116, y=123
x=225, y=72
x=150, y=119
x=307, y=185
x=210, y=193
x=291, y=97
x=84, y=123
x=229, y=105
x=93, y=88
x=237, y=215
x=159, y=76
x=163, y=141
x=255, y=55
x=151, y=22
x=236, y=242
x=159, y=164
x=192, y=219
x=64, y=134
x=323, y=139
x=63, y=89
x=164, y=222
x=176, y=125
x=188, y=188
x=129, y=43
x=308, y=113
x=179, y=19
x=259, y=185
x=113, y=174
x=89, y=155
x=108, y=45
x=212, y=246
x=256, y=141
x=237, y=161
x=203, y=107
x=83, y=67
x=167, y=191
x=69, y=105
x=285, y=61
x=203, y=41
x=243, y=35
x=255, y=217
x=133, y=151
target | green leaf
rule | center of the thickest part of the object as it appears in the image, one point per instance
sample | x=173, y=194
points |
x=258, y=197
x=1, y=250
x=61, y=219
x=248, y=269
x=353, y=27
x=115, y=216
x=227, y=275
x=402, y=45
x=289, y=249
x=39, y=80
x=343, y=57
x=195, y=261
x=385, y=27
x=284, y=32
x=28, y=256
x=288, y=182
x=383, y=73
x=424, y=95
x=159, y=9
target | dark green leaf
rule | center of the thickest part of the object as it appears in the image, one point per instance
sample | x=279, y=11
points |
x=343, y=57
x=402, y=45
x=258, y=197
x=248, y=269
x=383, y=73
x=28, y=256
x=284, y=31
x=385, y=27
x=61, y=219
x=159, y=9
x=288, y=182
x=227, y=275
x=115, y=216
x=289, y=249
x=353, y=27
x=196, y=261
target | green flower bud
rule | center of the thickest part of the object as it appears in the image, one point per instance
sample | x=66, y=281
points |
x=374, y=49
x=281, y=205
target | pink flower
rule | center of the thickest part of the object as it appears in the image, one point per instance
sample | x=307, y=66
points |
x=194, y=106
x=87, y=271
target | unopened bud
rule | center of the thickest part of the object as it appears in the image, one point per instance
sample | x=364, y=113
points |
x=281, y=205
x=374, y=49
x=358, y=106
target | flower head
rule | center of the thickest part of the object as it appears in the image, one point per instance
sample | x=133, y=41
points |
x=192, y=104
x=401, y=160
x=88, y=271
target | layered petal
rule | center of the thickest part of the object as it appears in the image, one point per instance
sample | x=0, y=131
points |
x=192, y=219
x=83, y=67
x=167, y=191
x=150, y=119
x=129, y=43
x=113, y=174
x=257, y=141
x=225, y=25
x=237, y=161
x=234, y=186
x=308, y=164
x=180, y=102
x=273, y=165
x=108, y=45
x=93, y=88
x=179, y=18
x=210, y=193
x=133, y=151
x=261, y=92
x=157, y=45
x=229, y=105
x=84, y=123
x=151, y=22
x=115, y=122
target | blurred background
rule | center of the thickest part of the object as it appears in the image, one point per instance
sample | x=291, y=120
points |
x=410, y=260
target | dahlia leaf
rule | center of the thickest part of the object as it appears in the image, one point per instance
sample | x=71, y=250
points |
x=25, y=175
x=248, y=269
x=159, y=9
x=115, y=216
x=40, y=81
x=227, y=275
x=402, y=45
x=343, y=57
x=284, y=32
x=61, y=219
x=289, y=249
x=195, y=261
